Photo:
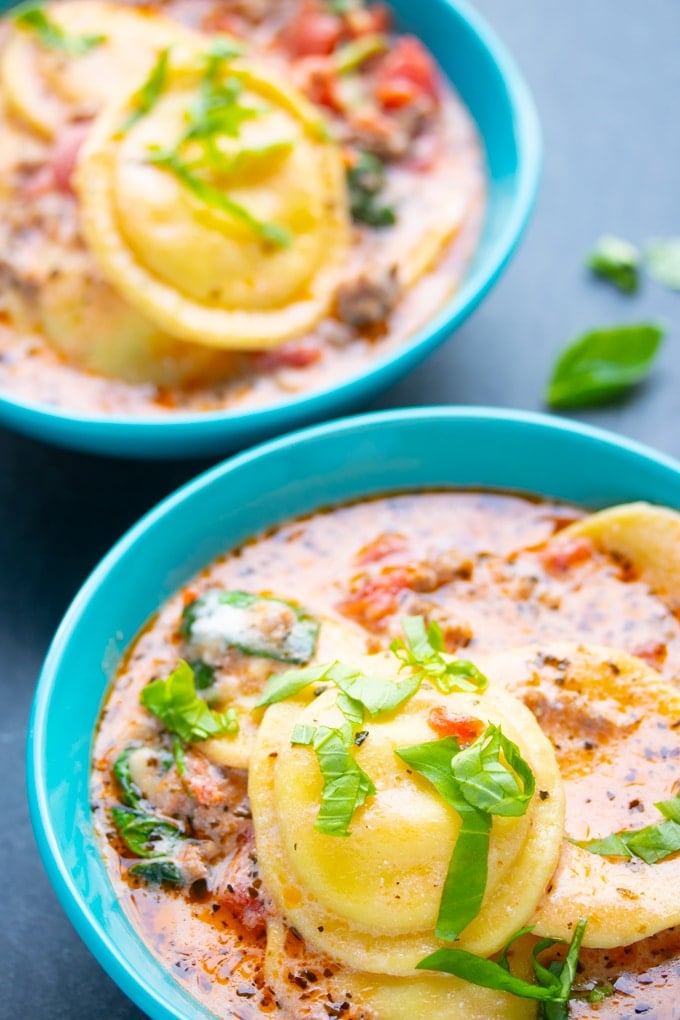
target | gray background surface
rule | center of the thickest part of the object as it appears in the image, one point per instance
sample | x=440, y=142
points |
x=606, y=78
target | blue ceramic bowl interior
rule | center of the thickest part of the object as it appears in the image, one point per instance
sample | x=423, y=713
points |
x=323, y=465
x=494, y=91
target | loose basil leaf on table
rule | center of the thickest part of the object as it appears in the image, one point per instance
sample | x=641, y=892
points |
x=233, y=619
x=603, y=364
x=617, y=261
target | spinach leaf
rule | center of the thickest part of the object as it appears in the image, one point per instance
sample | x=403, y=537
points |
x=662, y=259
x=159, y=872
x=422, y=650
x=602, y=365
x=31, y=17
x=616, y=260
x=255, y=624
x=345, y=785
x=365, y=180
x=130, y=792
x=175, y=702
x=144, y=834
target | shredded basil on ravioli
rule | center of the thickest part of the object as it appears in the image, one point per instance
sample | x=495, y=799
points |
x=179, y=707
x=345, y=785
x=553, y=986
x=489, y=777
x=650, y=844
x=31, y=17
x=422, y=650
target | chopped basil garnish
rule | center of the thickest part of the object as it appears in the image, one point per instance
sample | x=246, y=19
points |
x=31, y=17
x=478, y=783
x=662, y=260
x=146, y=97
x=553, y=983
x=372, y=693
x=651, y=844
x=345, y=785
x=255, y=624
x=603, y=364
x=175, y=702
x=616, y=260
x=423, y=652
x=365, y=180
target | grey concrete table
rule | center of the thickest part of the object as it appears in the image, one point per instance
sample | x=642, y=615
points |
x=606, y=77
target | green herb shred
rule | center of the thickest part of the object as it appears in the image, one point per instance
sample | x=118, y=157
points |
x=617, y=261
x=31, y=17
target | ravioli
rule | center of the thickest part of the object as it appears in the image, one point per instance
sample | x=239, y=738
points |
x=648, y=536
x=370, y=900
x=237, y=242
x=614, y=724
x=50, y=87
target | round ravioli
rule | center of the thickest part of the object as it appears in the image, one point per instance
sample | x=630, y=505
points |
x=615, y=726
x=220, y=211
x=419, y=996
x=64, y=61
x=371, y=899
x=241, y=687
x=648, y=536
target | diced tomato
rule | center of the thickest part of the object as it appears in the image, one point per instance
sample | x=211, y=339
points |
x=313, y=34
x=559, y=556
x=295, y=354
x=464, y=728
x=408, y=72
x=376, y=597
x=201, y=781
x=384, y=545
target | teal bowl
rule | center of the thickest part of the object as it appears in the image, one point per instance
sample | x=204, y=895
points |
x=323, y=465
x=494, y=91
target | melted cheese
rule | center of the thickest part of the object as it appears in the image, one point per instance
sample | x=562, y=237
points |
x=614, y=724
x=198, y=272
x=48, y=88
x=371, y=899
x=648, y=536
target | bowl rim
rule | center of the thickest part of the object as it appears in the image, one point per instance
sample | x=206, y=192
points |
x=72, y=898
x=105, y=432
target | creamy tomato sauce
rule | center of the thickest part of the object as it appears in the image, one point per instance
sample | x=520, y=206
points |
x=490, y=568
x=432, y=160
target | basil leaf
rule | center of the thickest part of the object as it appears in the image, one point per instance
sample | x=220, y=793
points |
x=281, y=686
x=616, y=260
x=476, y=784
x=602, y=365
x=179, y=756
x=257, y=625
x=345, y=785
x=553, y=984
x=146, y=97
x=175, y=702
x=31, y=17
x=487, y=783
x=158, y=872
x=145, y=835
x=650, y=844
x=422, y=650
x=662, y=259
x=467, y=872
x=376, y=695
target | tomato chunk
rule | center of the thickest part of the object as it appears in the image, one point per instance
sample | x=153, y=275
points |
x=407, y=73
x=313, y=33
x=466, y=729
x=559, y=556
